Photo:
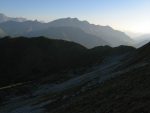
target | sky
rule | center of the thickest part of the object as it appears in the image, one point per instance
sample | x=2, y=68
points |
x=126, y=15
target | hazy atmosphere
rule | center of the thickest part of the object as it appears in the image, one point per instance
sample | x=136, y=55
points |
x=126, y=15
x=74, y=56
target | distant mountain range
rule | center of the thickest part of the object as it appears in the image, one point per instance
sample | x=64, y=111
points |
x=106, y=33
x=59, y=75
x=70, y=29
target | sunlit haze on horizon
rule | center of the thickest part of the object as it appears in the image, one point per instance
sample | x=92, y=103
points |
x=125, y=15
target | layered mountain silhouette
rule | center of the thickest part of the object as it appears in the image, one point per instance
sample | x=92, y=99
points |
x=13, y=28
x=113, y=37
x=70, y=34
x=71, y=66
x=71, y=29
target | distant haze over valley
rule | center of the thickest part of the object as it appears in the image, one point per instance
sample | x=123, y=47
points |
x=74, y=56
x=70, y=29
x=5, y=18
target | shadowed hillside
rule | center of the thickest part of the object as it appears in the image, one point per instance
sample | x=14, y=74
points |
x=25, y=59
x=127, y=93
x=117, y=79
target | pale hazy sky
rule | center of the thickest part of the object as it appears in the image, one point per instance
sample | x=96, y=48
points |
x=126, y=15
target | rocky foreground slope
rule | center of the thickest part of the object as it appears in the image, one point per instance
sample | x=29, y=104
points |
x=119, y=83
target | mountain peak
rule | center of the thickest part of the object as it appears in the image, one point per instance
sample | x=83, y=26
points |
x=100, y=33
x=68, y=21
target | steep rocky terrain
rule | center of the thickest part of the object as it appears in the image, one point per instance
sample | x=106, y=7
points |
x=118, y=82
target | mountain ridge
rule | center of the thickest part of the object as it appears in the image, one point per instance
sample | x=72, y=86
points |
x=105, y=34
x=41, y=56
